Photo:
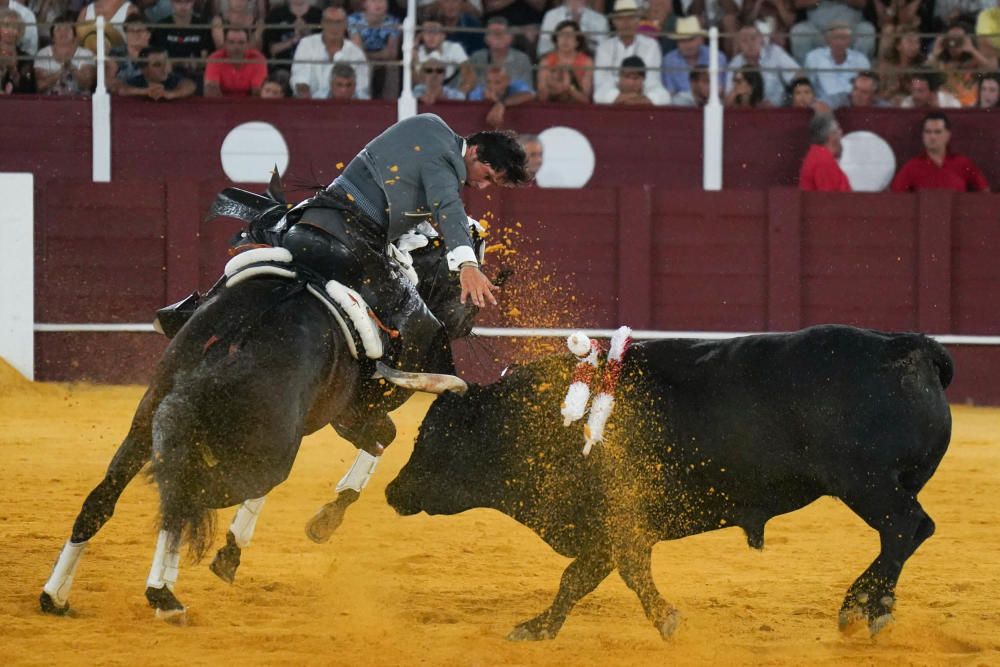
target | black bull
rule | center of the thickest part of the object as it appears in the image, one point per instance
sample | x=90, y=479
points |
x=705, y=435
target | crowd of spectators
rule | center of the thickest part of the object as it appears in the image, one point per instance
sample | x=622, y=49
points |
x=821, y=54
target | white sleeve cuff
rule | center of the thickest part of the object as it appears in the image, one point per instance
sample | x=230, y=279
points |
x=459, y=256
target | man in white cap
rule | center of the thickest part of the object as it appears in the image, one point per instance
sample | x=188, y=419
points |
x=624, y=43
x=690, y=53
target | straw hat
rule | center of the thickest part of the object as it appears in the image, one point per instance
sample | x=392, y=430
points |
x=625, y=8
x=687, y=27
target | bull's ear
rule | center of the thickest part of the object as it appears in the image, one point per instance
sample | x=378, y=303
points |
x=432, y=383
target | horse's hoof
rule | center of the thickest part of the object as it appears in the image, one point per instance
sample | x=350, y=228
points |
x=49, y=605
x=851, y=620
x=668, y=626
x=166, y=605
x=880, y=623
x=321, y=527
x=524, y=633
x=226, y=561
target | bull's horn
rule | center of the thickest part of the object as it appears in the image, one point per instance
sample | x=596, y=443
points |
x=433, y=383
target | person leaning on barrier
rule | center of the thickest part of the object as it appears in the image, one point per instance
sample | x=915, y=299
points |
x=503, y=92
x=926, y=93
x=188, y=46
x=802, y=95
x=123, y=61
x=631, y=91
x=820, y=171
x=699, y=88
x=155, y=80
x=430, y=87
x=343, y=83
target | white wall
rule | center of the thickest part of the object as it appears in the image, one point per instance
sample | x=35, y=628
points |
x=17, y=272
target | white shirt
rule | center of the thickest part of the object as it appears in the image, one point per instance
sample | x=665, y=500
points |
x=612, y=52
x=29, y=40
x=590, y=22
x=450, y=53
x=828, y=84
x=772, y=59
x=945, y=101
x=45, y=62
x=316, y=74
x=658, y=96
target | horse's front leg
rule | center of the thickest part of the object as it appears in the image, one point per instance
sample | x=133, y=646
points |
x=99, y=506
x=329, y=517
x=241, y=530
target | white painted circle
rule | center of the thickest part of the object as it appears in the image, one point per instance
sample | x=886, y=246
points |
x=568, y=159
x=251, y=150
x=868, y=161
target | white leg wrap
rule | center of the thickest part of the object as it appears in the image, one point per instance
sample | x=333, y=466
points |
x=245, y=521
x=359, y=474
x=61, y=580
x=165, y=564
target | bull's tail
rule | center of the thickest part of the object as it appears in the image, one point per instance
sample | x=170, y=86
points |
x=177, y=465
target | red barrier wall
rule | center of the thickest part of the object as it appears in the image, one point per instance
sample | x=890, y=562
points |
x=645, y=256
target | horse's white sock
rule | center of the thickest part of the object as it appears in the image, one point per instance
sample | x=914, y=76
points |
x=245, y=521
x=166, y=563
x=61, y=580
x=361, y=471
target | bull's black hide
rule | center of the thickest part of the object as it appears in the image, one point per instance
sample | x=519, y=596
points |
x=705, y=435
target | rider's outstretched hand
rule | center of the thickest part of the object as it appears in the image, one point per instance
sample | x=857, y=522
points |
x=476, y=285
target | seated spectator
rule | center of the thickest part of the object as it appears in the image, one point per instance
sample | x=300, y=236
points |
x=502, y=91
x=343, y=83
x=17, y=75
x=427, y=7
x=114, y=12
x=453, y=15
x=747, y=90
x=593, y=24
x=156, y=80
x=28, y=42
x=947, y=12
x=988, y=26
x=865, y=91
x=802, y=95
x=897, y=15
x=956, y=56
x=773, y=18
x=292, y=21
x=186, y=45
x=926, y=93
x=238, y=14
x=64, y=67
x=499, y=51
x=524, y=15
x=433, y=46
x=272, y=89
x=631, y=88
x=243, y=75
x=939, y=168
x=566, y=74
x=431, y=87
x=989, y=91
x=833, y=67
x=123, y=61
x=820, y=171
x=533, y=151
x=691, y=52
x=378, y=33
x=899, y=54
x=316, y=55
x=823, y=15
x=699, y=88
x=624, y=43
x=774, y=64
x=658, y=21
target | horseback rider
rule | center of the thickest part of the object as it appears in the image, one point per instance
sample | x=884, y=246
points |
x=411, y=173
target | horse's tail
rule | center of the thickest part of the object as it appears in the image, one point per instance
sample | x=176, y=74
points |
x=178, y=466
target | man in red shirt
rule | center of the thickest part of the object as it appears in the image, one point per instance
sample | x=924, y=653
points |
x=820, y=171
x=938, y=168
x=240, y=78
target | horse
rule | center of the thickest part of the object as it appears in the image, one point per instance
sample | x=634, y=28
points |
x=259, y=365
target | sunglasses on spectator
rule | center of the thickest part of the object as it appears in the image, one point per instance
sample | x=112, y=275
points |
x=433, y=70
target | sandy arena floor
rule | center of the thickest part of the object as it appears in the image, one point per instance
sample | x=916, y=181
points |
x=446, y=590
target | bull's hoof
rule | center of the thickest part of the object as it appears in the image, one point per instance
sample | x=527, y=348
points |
x=166, y=606
x=227, y=560
x=330, y=516
x=529, y=632
x=668, y=626
x=49, y=605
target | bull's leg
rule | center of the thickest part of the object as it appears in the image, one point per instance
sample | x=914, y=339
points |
x=227, y=559
x=580, y=578
x=163, y=577
x=635, y=568
x=133, y=453
x=902, y=525
x=322, y=525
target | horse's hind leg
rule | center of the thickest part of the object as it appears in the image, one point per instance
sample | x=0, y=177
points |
x=163, y=577
x=227, y=559
x=329, y=517
x=133, y=453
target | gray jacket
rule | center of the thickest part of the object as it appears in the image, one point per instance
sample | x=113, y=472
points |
x=418, y=165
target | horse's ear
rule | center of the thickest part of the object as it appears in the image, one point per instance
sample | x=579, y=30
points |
x=432, y=383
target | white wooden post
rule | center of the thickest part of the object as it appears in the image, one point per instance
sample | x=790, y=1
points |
x=17, y=272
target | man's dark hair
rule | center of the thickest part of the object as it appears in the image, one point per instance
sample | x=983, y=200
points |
x=344, y=71
x=149, y=50
x=501, y=150
x=928, y=76
x=697, y=73
x=936, y=115
x=232, y=29
x=868, y=74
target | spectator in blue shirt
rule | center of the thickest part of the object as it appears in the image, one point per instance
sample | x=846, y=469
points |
x=377, y=33
x=156, y=81
x=503, y=92
x=691, y=52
